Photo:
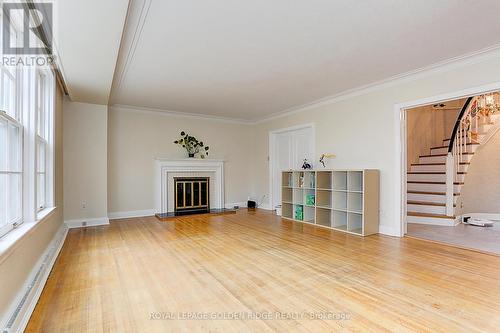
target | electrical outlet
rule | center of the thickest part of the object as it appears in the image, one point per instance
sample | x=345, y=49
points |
x=84, y=205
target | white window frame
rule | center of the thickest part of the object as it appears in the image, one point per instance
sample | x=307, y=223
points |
x=5, y=72
x=45, y=76
x=13, y=117
x=17, y=220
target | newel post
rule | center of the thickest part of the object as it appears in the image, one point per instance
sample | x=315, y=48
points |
x=450, y=176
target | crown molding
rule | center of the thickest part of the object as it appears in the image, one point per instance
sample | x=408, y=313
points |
x=439, y=67
x=169, y=113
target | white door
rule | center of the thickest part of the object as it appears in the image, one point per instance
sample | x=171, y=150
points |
x=289, y=149
x=284, y=160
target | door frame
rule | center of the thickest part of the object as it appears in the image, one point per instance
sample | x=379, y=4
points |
x=400, y=124
x=272, y=152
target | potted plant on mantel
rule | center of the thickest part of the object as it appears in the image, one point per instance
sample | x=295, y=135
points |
x=192, y=145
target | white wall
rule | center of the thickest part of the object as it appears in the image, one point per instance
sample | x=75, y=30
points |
x=85, y=160
x=360, y=130
x=481, y=191
x=136, y=138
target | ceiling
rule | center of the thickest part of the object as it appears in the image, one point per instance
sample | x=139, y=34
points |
x=87, y=42
x=251, y=59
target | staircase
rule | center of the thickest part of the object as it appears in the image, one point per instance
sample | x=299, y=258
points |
x=432, y=195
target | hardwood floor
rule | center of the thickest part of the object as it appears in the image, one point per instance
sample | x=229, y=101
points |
x=132, y=275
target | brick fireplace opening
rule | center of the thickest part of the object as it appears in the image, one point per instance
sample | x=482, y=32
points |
x=191, y=195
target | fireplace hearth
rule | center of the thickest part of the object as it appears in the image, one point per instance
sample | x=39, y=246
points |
x=192, y=197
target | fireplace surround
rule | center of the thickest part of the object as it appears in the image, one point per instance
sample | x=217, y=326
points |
x=167, y=169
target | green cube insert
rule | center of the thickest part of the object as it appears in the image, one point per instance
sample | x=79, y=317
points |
x=299, y=213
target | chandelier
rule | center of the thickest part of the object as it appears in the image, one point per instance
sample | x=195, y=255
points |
x=488, y=103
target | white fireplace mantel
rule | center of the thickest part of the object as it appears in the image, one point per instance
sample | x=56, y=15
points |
x=166, y=166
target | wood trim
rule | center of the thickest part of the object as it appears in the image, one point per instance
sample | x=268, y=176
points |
x=424, y=203
x=426, y=182
x=461, y=163
x=432, y=173
x=468, y=144
x=430, y=193
x=439, y=216
x=441, y=155
x=426, y=173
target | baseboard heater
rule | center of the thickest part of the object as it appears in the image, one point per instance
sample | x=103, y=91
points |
x=18, y=318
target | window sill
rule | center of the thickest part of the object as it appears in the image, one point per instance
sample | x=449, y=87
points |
x=44, y=213
x=10, y=241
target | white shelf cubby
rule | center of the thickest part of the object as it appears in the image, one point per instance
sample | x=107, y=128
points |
x=355, y=202
x=340, y=200
x=324, y=198
x=340, y=180
x=355, y=181
x=323, y=217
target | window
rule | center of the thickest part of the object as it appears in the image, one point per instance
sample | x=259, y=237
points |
x=11, y=152
x=11, y=147
x=41, y=139
x=8, y=91
x=26, y=139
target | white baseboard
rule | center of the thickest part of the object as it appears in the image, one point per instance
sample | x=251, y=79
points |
x=264, y=206
x=131, y=213
x=16, y=319
x=244, y=205
x=239, y=204
x=80, y=223
x=389, y=231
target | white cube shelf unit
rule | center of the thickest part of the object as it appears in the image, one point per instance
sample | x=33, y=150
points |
x=344, y=200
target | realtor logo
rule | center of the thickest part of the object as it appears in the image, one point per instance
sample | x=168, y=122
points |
x=27, y=28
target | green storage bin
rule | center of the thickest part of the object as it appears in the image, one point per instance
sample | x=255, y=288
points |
x=299, y=213
x=310, y=199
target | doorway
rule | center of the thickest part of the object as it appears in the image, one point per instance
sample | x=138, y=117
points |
x=421, y=188
x=288, y=148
